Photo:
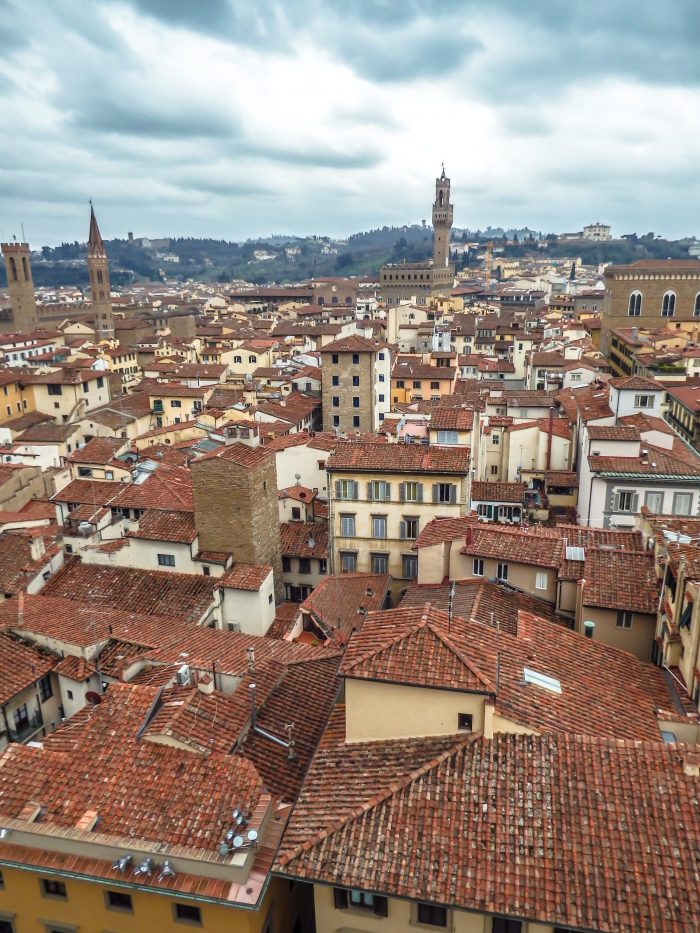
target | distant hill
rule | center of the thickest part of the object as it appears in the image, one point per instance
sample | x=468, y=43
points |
x=281, y=258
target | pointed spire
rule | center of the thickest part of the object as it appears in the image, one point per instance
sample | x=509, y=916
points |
x=95, y=245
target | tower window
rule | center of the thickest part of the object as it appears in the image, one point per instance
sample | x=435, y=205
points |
x=696, y=306
x=13, y=269
x=668, y=305
x=25, y=268
x=99, y=276
x=634, y=307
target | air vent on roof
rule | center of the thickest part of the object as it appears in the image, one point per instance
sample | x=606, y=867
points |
x=575, y=553
x=541, y=680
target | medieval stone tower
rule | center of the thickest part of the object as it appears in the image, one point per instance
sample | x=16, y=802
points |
x=442, y=222
x=21, y=287
x=98, y=270
x=235, y=506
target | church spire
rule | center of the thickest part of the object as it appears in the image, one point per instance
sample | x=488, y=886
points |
x=95, y=245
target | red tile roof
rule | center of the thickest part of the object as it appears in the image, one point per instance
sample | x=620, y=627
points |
x=656, y=463
x=620, y=580
x=98, y=450
x=611, y=432
x=498, y=492
x=295, y=537
x=241, y=454
x=439, y=530
x=245, y=576
x=452, y=419
x=354, y=343
x=20, y=666
x=398, y=458
x=165, y=526
x=339, y=603
x=168, y=488
x=563, y=802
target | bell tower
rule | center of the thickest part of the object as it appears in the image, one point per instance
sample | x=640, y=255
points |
x=98, y=270
x=442, y=222
x=21, y=287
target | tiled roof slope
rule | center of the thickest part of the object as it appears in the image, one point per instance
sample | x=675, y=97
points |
x=335, y=603
x=393, y=647
x=20, y=666
x=181, y=596
x=620, y=580
x=398, y=458
x=550, y=829
x=168, y=487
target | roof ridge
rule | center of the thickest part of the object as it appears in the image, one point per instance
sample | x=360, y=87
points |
x=411, y=629
x=380, y=797
x=447, y=641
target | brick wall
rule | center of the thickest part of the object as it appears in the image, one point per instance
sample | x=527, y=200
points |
x=345, y=369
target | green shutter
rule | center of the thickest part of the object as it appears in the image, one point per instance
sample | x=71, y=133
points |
x=337, y=489
x=387, y=491
x=420, y=491
x=436, y=492
x=402, y=492
x=370, y=491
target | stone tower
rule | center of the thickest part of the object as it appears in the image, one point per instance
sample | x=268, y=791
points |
x=21, y=287
x=442, y=222
x=235, y=506
x=98, y=270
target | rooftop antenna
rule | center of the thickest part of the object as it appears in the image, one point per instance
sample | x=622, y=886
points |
x=450, y=602
x=24, y=239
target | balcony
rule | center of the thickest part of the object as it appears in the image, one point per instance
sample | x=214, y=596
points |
x=26, y=730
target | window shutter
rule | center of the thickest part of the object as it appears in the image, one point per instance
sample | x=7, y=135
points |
x=402, y=530
x=402, y=492
x=420, y=491
x=615, y=501
x=340, y=899
x=337, y=489
x=387, y=491
x=635, y=502
x=453, y=493
x=370, y=491
x=381, y=906
x=355, y=489
x=436, y=492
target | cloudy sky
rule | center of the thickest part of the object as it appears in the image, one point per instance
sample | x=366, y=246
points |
x=238, y=118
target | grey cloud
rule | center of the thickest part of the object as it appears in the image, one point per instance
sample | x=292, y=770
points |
x=143, y=118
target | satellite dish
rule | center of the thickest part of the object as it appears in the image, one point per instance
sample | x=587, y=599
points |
x=93, y=698
x=252, y=835
x=238, y=842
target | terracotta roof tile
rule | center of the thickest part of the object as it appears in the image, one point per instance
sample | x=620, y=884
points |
x=620, y=580
x=498, y=492
x=245, y=576
x=398, y=458
x=295, y=537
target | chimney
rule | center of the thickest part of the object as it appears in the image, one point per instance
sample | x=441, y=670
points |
x=251, y=687
x=205, y=684
x=469, y=537
x=691, y=764
x=36, y=545
x=588, y=628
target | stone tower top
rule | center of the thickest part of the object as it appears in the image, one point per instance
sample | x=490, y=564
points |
x=96, y=247
x=442, y=221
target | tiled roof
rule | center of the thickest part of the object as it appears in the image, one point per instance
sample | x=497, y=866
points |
x=336, y=603
x=98, y=450
x=636, y=383
x=165, y=526
x=355, y=343
x=168, y=488
x=498, y=492
x=620, y=580
x=295, y=537
x=535, y=546
x=439, y=530
x=611, y=432
x=181, y=596
x=245, y=576
x=656, y=463
x=17, y=566
x=452, y=419
x=509, y=826
x=240, y=454
x=20, y=667
x=74, y=668
x=482, y=601
x=398, y=458
x=297, y=492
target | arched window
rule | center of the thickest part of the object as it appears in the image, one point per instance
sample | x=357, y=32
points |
x=13, y=269
x=442, y=198
x=25, y=268
x=634, y=307
x=668, y=304
x=696, y=306
x=99, y=276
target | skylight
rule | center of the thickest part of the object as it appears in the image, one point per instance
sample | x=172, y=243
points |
x=541, y=680
x=575, y=553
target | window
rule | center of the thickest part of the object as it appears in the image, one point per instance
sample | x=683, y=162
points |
x=336, y=401
x=409, y=566
x=355, y=358
x=644, y=401
x=409, y=528
x=444, y=492
x=496, y=440
x=347, y=526
x=343, y=899
x=335, y=380
x=51, y=888
x=379, y=526
x=465, y=721
x=381, y=398
x=478, y=566
x=501, y=571
x=624, y=618
x=346, y=489
x=503, y=925
x=668, y=304
x=286, y=564
x=187, y=913
x=447, y=437
x=118, y=900
x=206, y=571
x=348, y=562
x=166, y=560
x=381, y=377
x=45, y=688
x=434, y=385
x=379, y=490
x=54, y=390
x=654, y=501
x=334, y=357
x=379, y=563
x=399, y=384
x=175, y=403
x=696, y=306
x=356, y=380
x=541, y=581
x=322, y=565
x=681, y=503
x=634, y=306
x=296, y=512
x=304, y=565
x=356, y=421
x=416, y=383
x=336, y=420
x=356, y=401
x=494, y=469
x=625, y=501
x=411, y=492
